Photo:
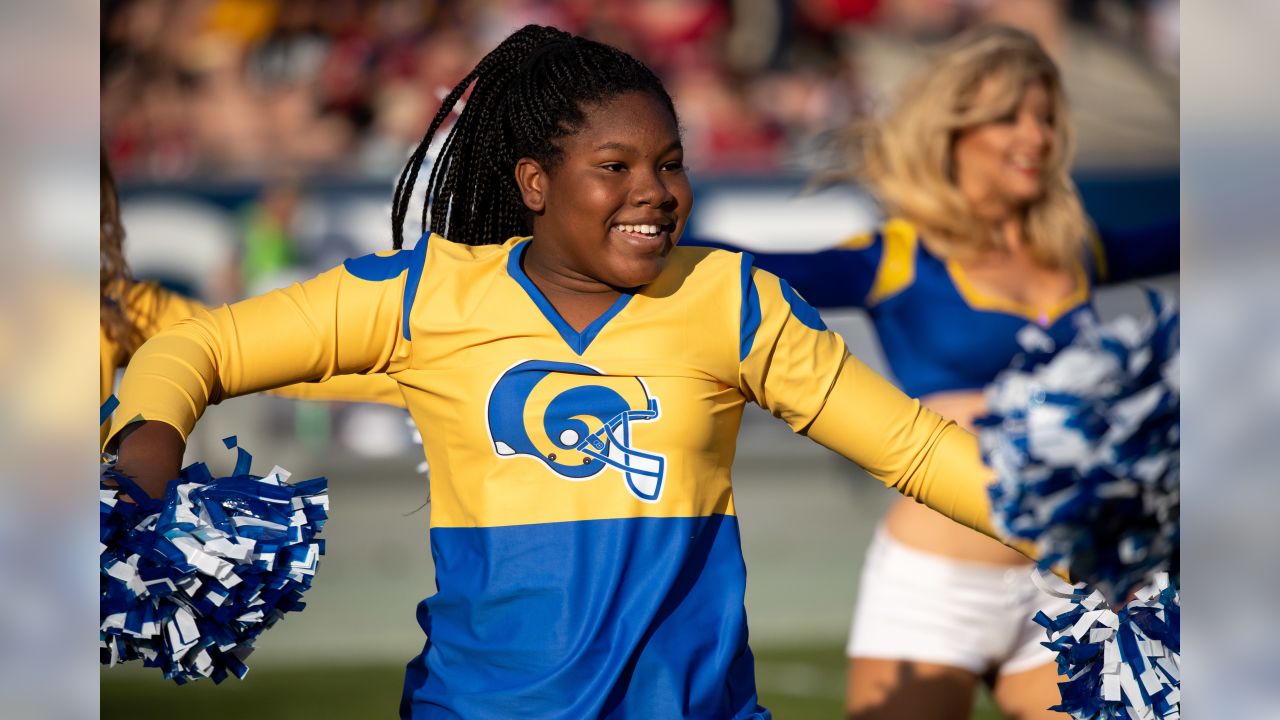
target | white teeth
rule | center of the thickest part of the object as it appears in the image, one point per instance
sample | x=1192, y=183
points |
x=640, y=229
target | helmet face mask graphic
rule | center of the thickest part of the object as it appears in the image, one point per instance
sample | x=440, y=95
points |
x=577, y=421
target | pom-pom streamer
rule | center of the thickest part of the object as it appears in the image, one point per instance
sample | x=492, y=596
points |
x=189, y=582
x=1119, y=665
x=1084, y=442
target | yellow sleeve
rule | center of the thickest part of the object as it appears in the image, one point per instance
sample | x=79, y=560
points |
x=151, y=308
x=334, y=324
x=905, y=445
x=347, y=388
x=788, y=360
x=796, y=368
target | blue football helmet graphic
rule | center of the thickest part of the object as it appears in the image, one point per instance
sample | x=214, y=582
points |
x=577, y=421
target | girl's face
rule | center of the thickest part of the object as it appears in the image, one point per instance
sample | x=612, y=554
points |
x=1001, y=163
x=617, y=201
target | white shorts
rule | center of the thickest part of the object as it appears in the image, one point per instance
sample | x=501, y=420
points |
x=917, y=606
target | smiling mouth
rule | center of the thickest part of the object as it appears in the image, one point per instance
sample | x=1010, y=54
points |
x=646, y=235
x=1026, y=166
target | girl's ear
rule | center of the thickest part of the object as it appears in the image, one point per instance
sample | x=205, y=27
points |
x=532, y=180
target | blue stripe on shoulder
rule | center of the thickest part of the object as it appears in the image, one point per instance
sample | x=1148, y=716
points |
x=377, y=268
x=749, y=322
x=416, y=264
x=802, y=310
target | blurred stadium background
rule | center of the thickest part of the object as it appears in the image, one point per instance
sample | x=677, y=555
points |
x=257, y=142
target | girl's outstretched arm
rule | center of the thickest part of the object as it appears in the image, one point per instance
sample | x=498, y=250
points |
x=796, y=368
x=905, y=445
x=346, y=320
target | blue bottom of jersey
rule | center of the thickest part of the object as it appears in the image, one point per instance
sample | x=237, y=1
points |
x=629, y=618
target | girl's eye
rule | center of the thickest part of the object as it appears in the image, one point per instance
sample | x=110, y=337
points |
x=674, y=166
x=614, y=167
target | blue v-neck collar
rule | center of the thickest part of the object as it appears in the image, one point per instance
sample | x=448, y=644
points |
x=577, y=341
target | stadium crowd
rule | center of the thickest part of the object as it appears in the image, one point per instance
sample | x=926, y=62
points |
x=244, y=89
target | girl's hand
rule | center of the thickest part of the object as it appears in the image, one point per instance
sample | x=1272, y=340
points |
x=151, y=454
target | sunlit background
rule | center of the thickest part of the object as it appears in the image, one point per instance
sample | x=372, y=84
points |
x=257, y=141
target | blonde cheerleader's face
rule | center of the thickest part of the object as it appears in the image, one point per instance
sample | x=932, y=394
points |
x=617, y=200
x=1001, y=163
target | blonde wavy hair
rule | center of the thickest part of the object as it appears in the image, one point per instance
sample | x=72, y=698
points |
x=114, y=278
x=906, y=155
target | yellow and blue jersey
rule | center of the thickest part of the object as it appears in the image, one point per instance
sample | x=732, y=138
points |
x=937, y=330
x=583, y=525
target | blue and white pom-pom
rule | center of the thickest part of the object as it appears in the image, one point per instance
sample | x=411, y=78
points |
x=189, y=582
x=1084, y=444
x=1119, y=665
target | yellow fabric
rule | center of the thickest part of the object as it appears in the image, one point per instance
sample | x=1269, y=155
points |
x=346, y=388
x=905, y=445
x=898, y=264
x=861, y=241
x=791, y=367
x=979, y=300
x=681, y=344
x=150, y=308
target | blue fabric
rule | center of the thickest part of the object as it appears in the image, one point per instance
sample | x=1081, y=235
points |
x=584, y=620
x=107, y=408
x=829, y=278
x=749, y=322
x=932, y=338
x=416, y=262
x=377, y=268
x=935, y=341
x=1137, y=221
x=802, y=310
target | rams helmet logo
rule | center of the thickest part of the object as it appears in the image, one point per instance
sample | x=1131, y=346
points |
x=577, y=421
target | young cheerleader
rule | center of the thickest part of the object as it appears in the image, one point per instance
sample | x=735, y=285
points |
x=579, y=392
x=986, y=236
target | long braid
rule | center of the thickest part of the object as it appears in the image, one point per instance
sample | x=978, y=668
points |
x=526, y=94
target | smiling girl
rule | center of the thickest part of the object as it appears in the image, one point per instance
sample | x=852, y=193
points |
x=580, y=381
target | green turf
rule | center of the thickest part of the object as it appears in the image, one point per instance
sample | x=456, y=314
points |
x=796, y=684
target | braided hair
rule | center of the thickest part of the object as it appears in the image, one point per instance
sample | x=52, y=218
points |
x=529, y=91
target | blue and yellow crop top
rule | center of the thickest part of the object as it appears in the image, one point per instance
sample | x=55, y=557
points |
x=938, y=332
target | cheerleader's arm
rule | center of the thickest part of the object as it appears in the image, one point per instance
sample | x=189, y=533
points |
x=905, y=445
x=152, y=308
x=335, y=324
x=839, y=277
x=379, y=389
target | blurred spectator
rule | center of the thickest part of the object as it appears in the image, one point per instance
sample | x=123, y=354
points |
x=267, y=227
